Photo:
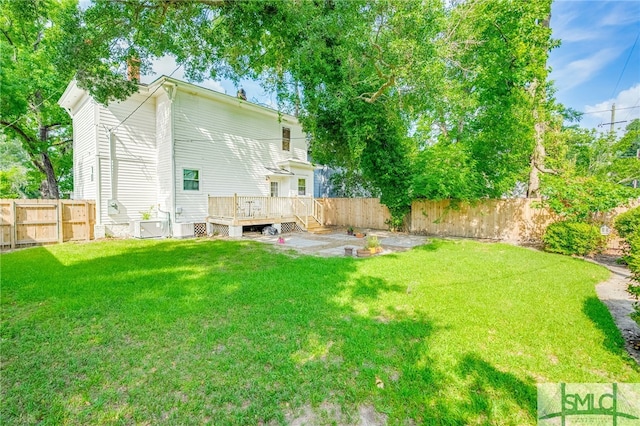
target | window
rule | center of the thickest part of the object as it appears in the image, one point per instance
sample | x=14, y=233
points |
x=286, y=139
x=274, y=189
x=191, y=180
x=302, y=186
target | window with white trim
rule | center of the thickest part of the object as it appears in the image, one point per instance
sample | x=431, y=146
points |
x=302, y=186
x=191, y=180
x=274, y=189
x=286, y=139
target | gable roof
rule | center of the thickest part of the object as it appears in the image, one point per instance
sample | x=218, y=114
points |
x=74, y=94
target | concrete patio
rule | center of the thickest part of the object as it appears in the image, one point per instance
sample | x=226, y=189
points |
x=333, y=244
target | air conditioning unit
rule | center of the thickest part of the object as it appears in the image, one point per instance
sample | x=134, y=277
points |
x=183, y=230
x=154, y=228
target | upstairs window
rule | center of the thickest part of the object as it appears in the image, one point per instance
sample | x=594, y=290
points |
x=191, y=180
x=286, y=139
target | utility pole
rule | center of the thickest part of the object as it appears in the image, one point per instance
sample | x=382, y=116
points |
x=613, y=116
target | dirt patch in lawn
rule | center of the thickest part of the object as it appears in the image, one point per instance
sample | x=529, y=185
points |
x=328, y=413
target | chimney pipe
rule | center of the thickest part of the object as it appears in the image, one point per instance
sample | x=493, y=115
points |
x=133, y=69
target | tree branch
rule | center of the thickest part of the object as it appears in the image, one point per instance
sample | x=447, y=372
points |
x=6, y=34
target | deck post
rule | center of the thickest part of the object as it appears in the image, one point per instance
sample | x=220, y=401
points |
x=235, y=207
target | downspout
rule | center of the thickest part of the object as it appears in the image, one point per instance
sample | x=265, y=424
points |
x=172, y=96
x=114, y=179
x=98, y=175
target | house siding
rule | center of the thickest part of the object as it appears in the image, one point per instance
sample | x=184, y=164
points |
x=157, y=135
x=230, y=144
x=164, y=153
x=84, y=146
x=134, y=183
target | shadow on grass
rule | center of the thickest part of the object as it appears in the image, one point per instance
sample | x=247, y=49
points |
x=225, y=333
x=489, y=385
x=599, y=314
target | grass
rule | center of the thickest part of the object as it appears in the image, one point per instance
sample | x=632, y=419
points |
x=224, y=332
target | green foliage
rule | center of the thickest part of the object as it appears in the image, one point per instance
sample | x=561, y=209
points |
x=447, y=172
x=628, y=226
x=579, y=198
x=372, y=242
x=375, y=81
x=628, y=223
x=571, y=238
x=33, y=75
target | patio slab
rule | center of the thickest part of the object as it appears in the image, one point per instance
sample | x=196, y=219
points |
x=333, y=244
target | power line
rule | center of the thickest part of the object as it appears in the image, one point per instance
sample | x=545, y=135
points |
x=634, y=106
x=625, y=65
x=37, y=106
x=609, y=110
x=142, y=103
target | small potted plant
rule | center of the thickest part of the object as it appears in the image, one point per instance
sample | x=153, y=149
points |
x=373, y=244
x=350, y=230
x=359, y=234
x=146, y=215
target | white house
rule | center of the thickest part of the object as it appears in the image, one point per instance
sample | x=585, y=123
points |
x=174, y=147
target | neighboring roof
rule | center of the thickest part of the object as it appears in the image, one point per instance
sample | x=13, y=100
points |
x=73, y=94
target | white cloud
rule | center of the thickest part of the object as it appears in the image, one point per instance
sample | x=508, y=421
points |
x=627, y=108
x=577, y=72
x=621, y=15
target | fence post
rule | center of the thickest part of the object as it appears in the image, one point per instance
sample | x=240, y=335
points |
x=60, y=227
x=13, y=225
x=87, y=220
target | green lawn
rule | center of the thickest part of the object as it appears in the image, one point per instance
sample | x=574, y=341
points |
x=187, y=332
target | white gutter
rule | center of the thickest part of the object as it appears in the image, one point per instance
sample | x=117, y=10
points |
x=112, y=155
x=172, y=96
x=97, y=174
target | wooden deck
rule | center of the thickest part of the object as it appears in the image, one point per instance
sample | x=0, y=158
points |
x=241, y=210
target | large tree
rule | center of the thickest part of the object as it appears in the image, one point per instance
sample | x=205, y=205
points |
x=404, y=92
x=32, y=77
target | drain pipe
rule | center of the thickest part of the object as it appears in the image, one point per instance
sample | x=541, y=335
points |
x=168, y=214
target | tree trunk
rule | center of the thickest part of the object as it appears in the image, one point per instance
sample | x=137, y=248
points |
x=50, y=189
x=537, y=159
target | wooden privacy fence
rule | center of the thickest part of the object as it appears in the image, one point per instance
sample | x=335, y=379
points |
x=31, y=222
x=356, y=212
x=517, y=220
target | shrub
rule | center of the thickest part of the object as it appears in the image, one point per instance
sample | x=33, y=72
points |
x=628, y=223
x=573, y=238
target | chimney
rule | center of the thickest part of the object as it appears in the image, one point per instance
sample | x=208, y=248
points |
x=133, y=69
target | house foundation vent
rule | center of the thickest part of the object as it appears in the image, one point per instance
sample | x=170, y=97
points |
x=288, y=227
x=219, y=230
x=200, y=229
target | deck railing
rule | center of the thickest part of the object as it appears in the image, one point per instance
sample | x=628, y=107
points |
x=239, y=207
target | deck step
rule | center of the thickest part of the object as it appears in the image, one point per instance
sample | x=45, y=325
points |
x=314, y=227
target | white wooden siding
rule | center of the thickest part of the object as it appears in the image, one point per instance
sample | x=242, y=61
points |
x=134, y=184
x=84, y=150
x=231, y=144
x=164, y=152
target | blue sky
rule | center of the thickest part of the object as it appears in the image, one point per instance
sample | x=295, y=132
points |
x=598, y=39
